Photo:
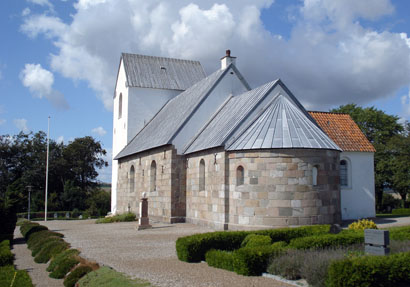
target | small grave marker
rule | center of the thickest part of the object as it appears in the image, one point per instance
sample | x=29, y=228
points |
x=143, y=222
x=67, y=215
x=376, y=242
x=55, y=216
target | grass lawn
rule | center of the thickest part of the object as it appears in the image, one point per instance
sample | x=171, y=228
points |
x=107, y=277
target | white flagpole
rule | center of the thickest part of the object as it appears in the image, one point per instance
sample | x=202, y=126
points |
x=48, y=147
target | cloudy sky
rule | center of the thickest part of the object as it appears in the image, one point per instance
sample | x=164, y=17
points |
x=60, y=58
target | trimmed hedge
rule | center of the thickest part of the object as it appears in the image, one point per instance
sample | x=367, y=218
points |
x=401, y=211
x=126, y=217
x=22, y=278
x=39, y=237
x=35, y=249
x=26, y=226
x=6, y=257
x=392, y=270
x=193, y=248
x=220, y=259
x=64, y=267
x=400, y=233
x=33, y=229
x=326, y=241
x=49, y=250
x=255, y=240
x=76, y=274
x=61, y=257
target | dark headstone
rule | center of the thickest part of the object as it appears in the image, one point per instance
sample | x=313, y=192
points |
x=335, y=229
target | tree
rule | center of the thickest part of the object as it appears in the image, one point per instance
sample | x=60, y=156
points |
x=379, y=129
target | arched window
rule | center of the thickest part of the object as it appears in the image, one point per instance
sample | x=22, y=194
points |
x=344, y=173
x=314, y=174
x=120, y=106
x=202, y=175
x=239, y=175
x=132, y=179
x=153, y=176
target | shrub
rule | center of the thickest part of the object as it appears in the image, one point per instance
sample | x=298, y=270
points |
x=61, y=257
x=6, y=257
x=397, y=246
x=220, y=259
x=327, y=240
x=287, y=265
x=26, y=226
x=76, y=274
x=253, y=261
x=400, y=233
x=49, y=250
x=254, y=240
x=38, y=237
x=36, y=248
x=32, y=230
x=64, y=267
x=107, y=277
x=129, y=216
x=22, y=279
x=392, y=270
x=193, y=248
x=401, y=211
x=362, y=225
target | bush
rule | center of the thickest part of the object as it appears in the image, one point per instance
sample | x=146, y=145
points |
x=49, y=250
x=362, y=225
x=255, y=240
x=401, y=211
x=287, y=265
x=220, y=259
x=61, y=257
x=129, y=216
x=64, y=267
x=253, y=261
x=392, y=270
x=22, y=279
x=36, y=248
x=6, y=257
x=26, y=226
x=193, y=248
x=34, y=229
x=327, y=240
x=400, y=233
x=39, y=237
x=8, y=219
x=76, y=274
x=397, y=246
x=107, y=277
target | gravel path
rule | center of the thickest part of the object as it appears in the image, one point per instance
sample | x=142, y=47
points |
x=148, y=254
x=24, y=261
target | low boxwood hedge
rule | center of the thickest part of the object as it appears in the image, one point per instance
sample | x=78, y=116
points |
x=76, y=274
x=254, y=240
x=33, y=229
x=26, y=226
x=39, y=237
x=392, y=270
x=49, y=250
x=36, y=248
x=60, y=258
x=400, y=233
x=193, y=248
x=220, y=259
x=6, y=257
x=64, y=267
x=11, y=277
x=327, y=240
x=401, y=211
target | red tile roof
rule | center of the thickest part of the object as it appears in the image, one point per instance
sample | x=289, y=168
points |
x=343, y=131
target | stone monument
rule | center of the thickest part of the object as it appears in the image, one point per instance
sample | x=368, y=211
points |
x=143, y=221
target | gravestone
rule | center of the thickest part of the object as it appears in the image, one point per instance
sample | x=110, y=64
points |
x=55, y=216
x=80, y=217
x=143, y=221
x=67, y=215
x=335, y=229
x=376, y=242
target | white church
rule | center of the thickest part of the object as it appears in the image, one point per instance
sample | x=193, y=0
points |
x=212, y=150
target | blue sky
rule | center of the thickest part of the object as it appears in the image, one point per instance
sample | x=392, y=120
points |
x=60, y=58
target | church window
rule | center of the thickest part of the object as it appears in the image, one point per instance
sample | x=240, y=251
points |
x=202, y=175
x=153, y=176
x=120, y=106
x=132, y=179
x=314, y=174
x=344, y=173
x=239, y=175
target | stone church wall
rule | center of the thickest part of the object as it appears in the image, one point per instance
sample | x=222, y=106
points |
x=167, y=199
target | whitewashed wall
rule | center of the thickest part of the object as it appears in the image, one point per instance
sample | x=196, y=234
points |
x=358, y=198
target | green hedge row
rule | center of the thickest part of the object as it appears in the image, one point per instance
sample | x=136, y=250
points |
x=11, y=277
x=392, y=270
x=400, y=233
x=193, y=248
x=327, y=240
x=6, y=257
x=125, y=217
x=401, y=211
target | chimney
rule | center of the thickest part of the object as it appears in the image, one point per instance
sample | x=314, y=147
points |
x=225, y=61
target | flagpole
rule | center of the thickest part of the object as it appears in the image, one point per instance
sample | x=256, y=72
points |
x=48, y=148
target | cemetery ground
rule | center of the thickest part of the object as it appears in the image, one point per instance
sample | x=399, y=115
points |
x=147, y=254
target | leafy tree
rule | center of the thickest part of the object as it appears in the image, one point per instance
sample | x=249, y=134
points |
x=379, y=129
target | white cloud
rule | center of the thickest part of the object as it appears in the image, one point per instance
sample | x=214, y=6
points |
x=99, y=131
x=405, y=104
x=41, y=3
x=25, y=12
x=21, y=124
x=329, y=58
x=60, y=139
x=40, y=83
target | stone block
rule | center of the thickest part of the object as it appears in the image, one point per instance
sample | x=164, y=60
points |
x=243, y=220
x=305, y=221
x=280, y=203
x=262, y=195
x=253, y=180
x=292, y=180
x=285, y=211
x=295, y=203
x=273, y=211
x=252, y=203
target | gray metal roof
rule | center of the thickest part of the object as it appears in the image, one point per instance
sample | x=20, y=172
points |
x=227, y=119
x=281, y=124
x=161, y=73
x=164, y=126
